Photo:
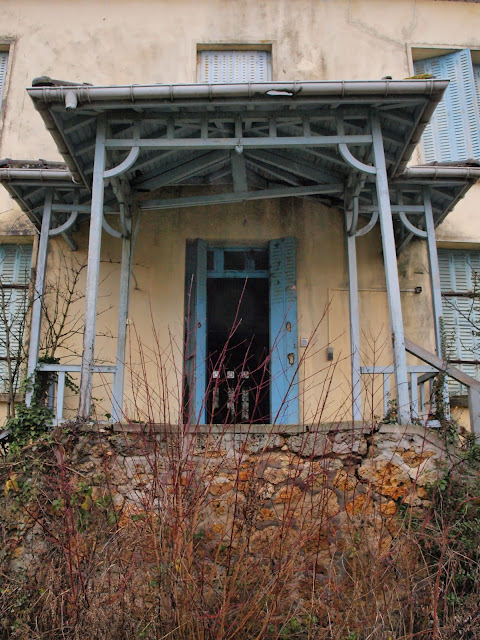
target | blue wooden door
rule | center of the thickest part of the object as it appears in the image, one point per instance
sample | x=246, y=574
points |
x=283, y=332
x=196, y=332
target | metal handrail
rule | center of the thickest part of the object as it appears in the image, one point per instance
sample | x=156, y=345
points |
x=62, y=370
x=419, y=374
x=472, y=385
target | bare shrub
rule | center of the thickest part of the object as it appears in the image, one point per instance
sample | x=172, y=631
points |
x=170, y=529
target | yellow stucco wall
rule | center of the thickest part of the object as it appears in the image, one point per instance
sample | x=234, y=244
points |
x=123, y=42
x=157, y=299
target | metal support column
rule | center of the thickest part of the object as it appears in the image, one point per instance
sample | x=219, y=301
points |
x=435, y=285
x=93, y=272
x=391, y=275
x=118, y=380
x=354, y=327
x=38, y=295
x=434, y=269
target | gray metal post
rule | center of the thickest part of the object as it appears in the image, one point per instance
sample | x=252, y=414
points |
x=38, y=295
x=119, y=377
x=354, y=327
x=391, y=275
x=474, y=409
x=435, y=285
x=434, y=269
x=93, y=272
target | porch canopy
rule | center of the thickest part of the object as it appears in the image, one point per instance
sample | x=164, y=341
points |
x=345, y=143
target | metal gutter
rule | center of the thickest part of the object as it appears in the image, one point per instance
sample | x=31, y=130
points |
x=23, y=177
x=22, y=204
x=427, y=174
x=431, y=172
x=42, y=175
x=342, y=88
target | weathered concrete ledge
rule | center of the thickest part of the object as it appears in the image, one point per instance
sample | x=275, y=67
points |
x=139, y=427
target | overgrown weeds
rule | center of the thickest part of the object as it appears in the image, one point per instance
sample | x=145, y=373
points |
x=166, y=528
x=127, y=535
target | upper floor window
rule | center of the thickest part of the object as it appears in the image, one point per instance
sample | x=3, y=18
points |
x=234, y=65
x=3, y=72
x=454, y=130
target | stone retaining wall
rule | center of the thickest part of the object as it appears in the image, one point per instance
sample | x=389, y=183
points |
x=343, y=471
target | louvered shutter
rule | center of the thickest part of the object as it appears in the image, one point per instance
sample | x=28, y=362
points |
x=234, y=66
x=459, y=273
x=15, y=266
x=453, y=133
x=3, y=72
x=196, y=331
x=476, y=79
x=283, y=332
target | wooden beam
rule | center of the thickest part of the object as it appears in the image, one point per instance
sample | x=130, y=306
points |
x=222, y=198
x=239, y=172
x=267, y=142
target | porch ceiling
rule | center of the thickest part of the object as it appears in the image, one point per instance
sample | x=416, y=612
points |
x=265, y=137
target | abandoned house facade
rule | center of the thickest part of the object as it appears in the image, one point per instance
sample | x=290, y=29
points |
x=268, y=209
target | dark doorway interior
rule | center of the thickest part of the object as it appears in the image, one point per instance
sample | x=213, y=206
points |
x=238, y=346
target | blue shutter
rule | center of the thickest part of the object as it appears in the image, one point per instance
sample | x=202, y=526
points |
x=453, y=133
x=283, y=332
x=234, y=66
x=196, y=331
x=15, y=266
x=461, y=315
x=3, y=72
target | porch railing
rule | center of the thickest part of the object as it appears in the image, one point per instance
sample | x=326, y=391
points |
x=421, y=375
x=57, y=390
x=418, y=375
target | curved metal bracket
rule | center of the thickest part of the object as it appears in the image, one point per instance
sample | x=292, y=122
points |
x=406, y=222
x=369, y=226
x=420, y=233
x=125, y=165
x=347, y=154
x=129, y=160
x=354, y=162
x=352, y=229
x=113, y=232
x=65, y=226
x=126, y=221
